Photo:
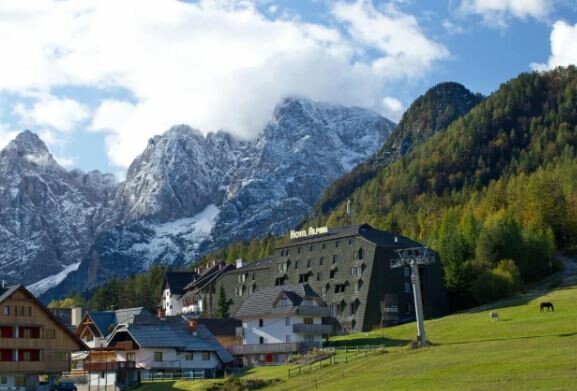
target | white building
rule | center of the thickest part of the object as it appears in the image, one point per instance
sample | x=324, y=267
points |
x=173, y=289
x=200, y=294
x=279, y=321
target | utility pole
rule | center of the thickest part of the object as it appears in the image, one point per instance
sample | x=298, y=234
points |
x=414, y=257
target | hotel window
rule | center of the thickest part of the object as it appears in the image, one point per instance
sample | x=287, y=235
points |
x=308, y=263
x=335, y=259
x=350, y=241
x=321, y=259
x=358, y=285
x=188, y=356
x=252, y=288
x=6, y=311
x=407, y=287
x=260, y=323
x=333, y=273
x=340, y=288
x=323, y=246
x=252, y=277
x=337, y=243
x=303, y=278
x=319, y=276
x=407, y=271
x=157, y=356
x=296, y=264
x=311, y=247
x=298, y=250
x=205, y=356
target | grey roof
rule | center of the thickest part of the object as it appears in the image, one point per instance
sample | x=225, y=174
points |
x=105, y=321
x=261, y=303
x=221, y=327
x=172, y=332
x=261, y=264
x=176, y=281
x=208, y=276
x=383, y=238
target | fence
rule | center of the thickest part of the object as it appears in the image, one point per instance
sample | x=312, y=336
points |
x=184, y=374
x=347, y=353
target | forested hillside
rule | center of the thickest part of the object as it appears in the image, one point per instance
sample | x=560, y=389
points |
x=495, y=194
x=428, y=114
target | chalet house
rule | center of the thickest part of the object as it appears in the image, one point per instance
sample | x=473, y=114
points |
x=145, y=348
x=349, y=268
x=200, y=294
x=173, y=289
x=35, y=346
x=224, y=329
x=280, y=320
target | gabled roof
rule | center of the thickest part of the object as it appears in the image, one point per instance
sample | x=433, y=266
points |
x=258, y=265
x=176, y=281
x=171, y=332
x=264, y=301
x=105, y=321
x=7, y=292
x=221, y=327
x=208, y=276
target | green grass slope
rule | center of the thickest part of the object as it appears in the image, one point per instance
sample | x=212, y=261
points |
x=524, y=350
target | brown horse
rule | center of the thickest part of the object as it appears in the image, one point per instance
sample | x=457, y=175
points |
x=546, y=305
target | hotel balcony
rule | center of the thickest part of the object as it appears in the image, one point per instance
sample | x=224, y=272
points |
x=312, y=329
x=309, y=310
x=290, y=347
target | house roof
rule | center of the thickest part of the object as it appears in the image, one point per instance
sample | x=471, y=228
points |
x=6, y=292
x=382, y=238
x=263, y=302
x=172, y=332
x=262, y=264
x=176, y=281
x=221, y=327
x=105, y=321
x=208, y=276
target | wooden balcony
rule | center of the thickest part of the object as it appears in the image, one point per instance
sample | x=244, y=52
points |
x=290, y=347
x=124, y=345
x=312, y=329
x=309, y=310
x=35, y=366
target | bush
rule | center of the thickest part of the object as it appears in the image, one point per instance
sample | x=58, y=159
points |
x=502, y=281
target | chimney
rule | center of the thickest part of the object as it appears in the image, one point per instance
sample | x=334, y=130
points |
x=76, y=316
x=193, y=326
x=241, y=262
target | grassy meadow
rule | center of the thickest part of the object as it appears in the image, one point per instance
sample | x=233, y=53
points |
x=524, y=350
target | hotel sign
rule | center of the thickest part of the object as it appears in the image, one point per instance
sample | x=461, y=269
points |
x=312, y=231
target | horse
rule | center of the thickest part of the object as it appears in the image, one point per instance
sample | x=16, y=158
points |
x=546, y=305
x=494, y=315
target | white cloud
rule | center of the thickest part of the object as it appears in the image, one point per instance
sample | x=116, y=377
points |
x=213, y=64
x=63, y=114
x=563, y=47
x=404, y=48
x=498, y=12
x=393, y=108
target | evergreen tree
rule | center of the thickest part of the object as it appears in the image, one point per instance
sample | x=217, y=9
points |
x=222, y=304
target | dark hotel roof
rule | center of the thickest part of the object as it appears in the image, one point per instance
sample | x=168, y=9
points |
x=176, y=281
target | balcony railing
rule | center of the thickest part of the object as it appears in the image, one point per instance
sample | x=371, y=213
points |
x=288, y=347
x=36, y=366
x=309, y=310
x=312, y=329
x=108, y=366
x=125, y=345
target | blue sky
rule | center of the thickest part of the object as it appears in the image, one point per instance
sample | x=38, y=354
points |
x=97, y=78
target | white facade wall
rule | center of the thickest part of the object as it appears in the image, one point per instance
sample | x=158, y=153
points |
x=171, y=359
x=171, y=303
x=276, y=330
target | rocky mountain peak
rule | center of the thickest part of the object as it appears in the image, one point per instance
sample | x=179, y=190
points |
x=29, y=147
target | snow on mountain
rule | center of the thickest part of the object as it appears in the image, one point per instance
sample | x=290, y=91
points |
x=185, y=195
x=43, y=285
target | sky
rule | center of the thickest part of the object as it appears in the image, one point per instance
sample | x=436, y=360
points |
x=97, y=78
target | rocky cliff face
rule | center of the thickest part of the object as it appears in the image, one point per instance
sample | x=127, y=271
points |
x=183, y=196
x=48, y=216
